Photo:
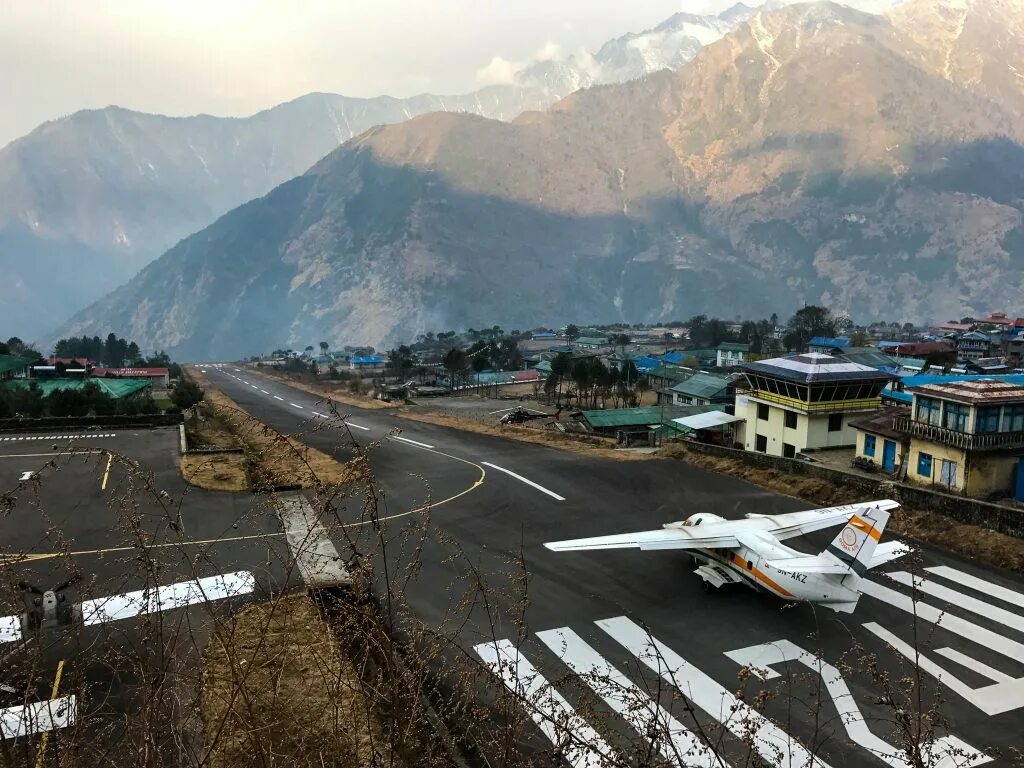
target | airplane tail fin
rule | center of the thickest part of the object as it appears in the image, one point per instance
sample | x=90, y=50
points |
x=855, y=545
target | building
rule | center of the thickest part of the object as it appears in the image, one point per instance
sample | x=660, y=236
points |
x=638, y=426
x=1014, y=348
x=921, y=349
x=591, y=342
x=880, y=442
x=702, y=388
x=988, y=366
x=804, y=403
x=160, y=378
x=966, y=436
x=729, y=354
x=826, y=345
x=14, y=367
x=973, y=345
x=366, y=363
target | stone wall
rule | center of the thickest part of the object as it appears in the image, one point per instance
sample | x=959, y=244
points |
x=1004, y=519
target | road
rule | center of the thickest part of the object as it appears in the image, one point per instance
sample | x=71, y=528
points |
x=112, y=510
x=586, y=623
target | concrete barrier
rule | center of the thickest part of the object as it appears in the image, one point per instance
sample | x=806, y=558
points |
x=52, y=423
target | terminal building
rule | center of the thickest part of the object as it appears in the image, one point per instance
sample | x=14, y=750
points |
x=795, y=404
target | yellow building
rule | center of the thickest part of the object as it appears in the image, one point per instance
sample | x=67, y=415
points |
x=804, y=403
x=966, y=436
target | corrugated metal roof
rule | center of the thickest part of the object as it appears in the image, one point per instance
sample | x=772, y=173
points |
x=981, y=390
x=640, y=417
x=115, y=388
x=813, y=367
x=829, y=341
x=671, y=372
x=703, y=385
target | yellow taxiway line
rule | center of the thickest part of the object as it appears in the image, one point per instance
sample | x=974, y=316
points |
x=45, y=738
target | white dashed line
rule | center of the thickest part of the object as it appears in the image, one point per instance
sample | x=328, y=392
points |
x=264, y=392
x=522, y=479
x=367, y=429
x=294, y=405
x=411, y=442
x=279, y=398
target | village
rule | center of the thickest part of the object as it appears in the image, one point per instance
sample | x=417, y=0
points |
x=939, y=407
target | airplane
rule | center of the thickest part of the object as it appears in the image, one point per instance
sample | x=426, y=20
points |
x=750, y=551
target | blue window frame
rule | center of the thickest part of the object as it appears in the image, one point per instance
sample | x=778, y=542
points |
x=928, y=410
x=1015, y=418
x=988, y=419
x=869, y=445
x=955, y=416
x=924, y=465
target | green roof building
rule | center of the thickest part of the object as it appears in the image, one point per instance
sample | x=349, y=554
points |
x=114, y=388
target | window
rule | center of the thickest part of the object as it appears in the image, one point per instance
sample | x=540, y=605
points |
x=928, y=410
x=1015, y=418
x=869, y=445
x=761, y=443
x=988, y=419
x=762, y=412
x=835, y=422
x=788, y=451
x=924, y=465
x=955, y=416
x=790, y=420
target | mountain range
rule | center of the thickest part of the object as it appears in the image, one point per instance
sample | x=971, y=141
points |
x=813, y=154
x=88, y=200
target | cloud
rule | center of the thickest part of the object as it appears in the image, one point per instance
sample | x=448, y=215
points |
x=499, y=71
x=550, y=52
x=502, y=71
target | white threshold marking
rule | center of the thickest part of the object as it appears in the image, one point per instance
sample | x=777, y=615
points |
x=295, y=405
x=522, y=479
x=360, y=426
x=959, y=599
x=979, y=585
x=579, y=744
x=675, y=742
x=973, y=664
x=774, y=745
x=130, y=604
x=410, y=442
x=38, y=717
x=279, y=398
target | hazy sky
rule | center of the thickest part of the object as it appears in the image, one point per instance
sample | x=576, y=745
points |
x=232, y=57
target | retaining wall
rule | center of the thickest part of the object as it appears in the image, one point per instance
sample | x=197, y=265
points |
x=53, y=423
x=1004, y=519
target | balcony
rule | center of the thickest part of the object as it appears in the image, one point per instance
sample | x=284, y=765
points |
x=819, y=407
x=988, y=441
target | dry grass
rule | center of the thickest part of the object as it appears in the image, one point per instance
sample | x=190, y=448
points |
x=277, y=690
x=273, y=459
x=216, y=471
x=587, y=445
x=329, y=390
x=971, y=541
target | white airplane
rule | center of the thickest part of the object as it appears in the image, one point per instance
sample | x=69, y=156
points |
x=751, y=551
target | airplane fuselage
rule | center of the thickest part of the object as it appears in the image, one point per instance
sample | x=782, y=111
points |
x=752, y=568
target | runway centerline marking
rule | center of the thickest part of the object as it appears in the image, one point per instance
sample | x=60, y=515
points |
x=522, y=479
x=264, y=392
x=359, y=426
x=276, y=397
x=413, y=442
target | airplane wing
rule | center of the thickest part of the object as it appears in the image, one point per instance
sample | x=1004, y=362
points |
x=889, y=550
x=662, y=538
x=792, y=524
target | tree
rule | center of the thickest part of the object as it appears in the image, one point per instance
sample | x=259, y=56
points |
x=808, y=322
x=186, y=393
x=133, y=353
x=454, y=362
x=324, y=346
x=572, y=332
x=560, y=367
x=309, y=348
x=480, y=364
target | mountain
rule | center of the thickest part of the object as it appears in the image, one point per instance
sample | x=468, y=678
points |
x=814, y=154
x=88, y=200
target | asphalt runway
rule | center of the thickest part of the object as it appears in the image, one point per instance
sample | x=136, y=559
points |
x=157, y=565
x=642, y=619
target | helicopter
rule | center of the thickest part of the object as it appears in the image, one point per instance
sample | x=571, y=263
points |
x=521, y=415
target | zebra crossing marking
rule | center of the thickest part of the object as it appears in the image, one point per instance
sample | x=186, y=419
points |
x=978, y=585
x=675, y=742
x=580, y=745
x=959, y=599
